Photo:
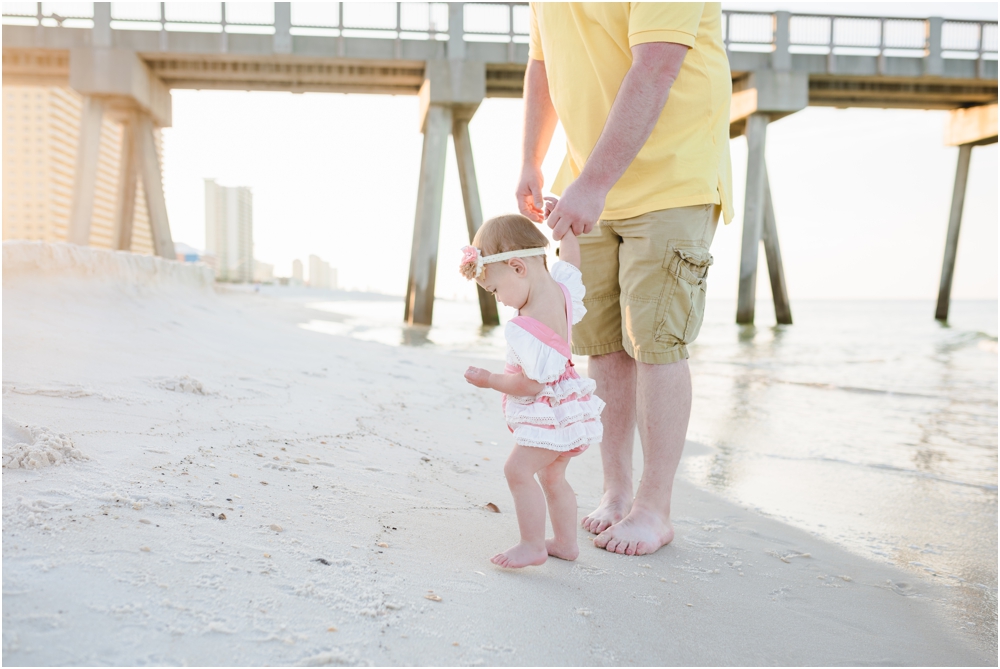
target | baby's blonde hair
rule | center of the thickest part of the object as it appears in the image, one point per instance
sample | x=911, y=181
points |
x=509, y=232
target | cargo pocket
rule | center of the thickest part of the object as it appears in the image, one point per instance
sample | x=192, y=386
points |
x=684, y=308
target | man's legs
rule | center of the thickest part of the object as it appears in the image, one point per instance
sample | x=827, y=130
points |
x=663, y=262
x=615, y=374
x=663, y=408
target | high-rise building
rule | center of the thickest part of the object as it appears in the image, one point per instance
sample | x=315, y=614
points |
x=262, y=272
x=297, y=274
x=321, y=275
x=229, y=230
x=41, y=130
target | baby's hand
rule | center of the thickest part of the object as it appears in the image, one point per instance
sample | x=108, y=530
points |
x=550, y=204
x=478, y=377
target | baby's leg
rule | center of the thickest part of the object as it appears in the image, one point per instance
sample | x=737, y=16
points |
x=529, y=502
x=562, y=509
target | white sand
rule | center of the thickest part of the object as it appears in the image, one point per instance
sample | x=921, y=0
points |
x=167, y=404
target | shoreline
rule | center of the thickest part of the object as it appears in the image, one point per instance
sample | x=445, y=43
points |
x=184, y=401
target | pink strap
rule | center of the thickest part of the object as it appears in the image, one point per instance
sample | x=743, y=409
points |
x=547, y=335
x=542, y=333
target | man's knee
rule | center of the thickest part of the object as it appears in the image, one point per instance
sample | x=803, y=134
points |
x=613, y=359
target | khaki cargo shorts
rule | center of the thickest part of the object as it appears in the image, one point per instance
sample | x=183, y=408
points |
x=645, y=279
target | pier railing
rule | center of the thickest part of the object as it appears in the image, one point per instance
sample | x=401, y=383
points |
x=779, y=32
x=487, y=22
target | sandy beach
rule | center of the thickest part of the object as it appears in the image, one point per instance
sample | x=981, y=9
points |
x=354, y=479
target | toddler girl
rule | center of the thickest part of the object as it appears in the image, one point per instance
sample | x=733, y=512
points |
x=552, y=412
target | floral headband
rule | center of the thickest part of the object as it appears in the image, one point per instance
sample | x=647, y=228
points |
x=473, y=260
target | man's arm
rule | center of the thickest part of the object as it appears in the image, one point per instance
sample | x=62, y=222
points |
x=633, y=116
x=539, y=123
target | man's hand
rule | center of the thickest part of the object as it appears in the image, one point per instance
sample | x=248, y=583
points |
x=529, y=193
x=478, y=377
x=578, y=210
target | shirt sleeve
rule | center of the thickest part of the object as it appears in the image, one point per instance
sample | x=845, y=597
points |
x=534, y=37
x=675, y=22
x=569, y=276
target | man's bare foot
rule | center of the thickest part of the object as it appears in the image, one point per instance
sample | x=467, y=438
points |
x=521, y=555
x=563, y=550
x=611, y=510
x=640, y=533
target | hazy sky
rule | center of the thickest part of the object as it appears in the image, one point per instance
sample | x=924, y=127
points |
x=861, y=195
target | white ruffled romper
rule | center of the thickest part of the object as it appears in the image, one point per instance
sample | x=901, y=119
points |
x=566, y=415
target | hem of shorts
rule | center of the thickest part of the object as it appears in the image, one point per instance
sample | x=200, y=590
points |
x=675, y=354
x=598, y=349
x=658, y=204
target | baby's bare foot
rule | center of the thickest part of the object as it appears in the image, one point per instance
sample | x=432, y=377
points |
x=564, y=550
x=521, y=555
x=612, y=509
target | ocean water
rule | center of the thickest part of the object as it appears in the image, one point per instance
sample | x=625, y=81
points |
x=867, y=423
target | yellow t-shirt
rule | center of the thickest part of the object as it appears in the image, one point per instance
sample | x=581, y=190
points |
x=586, y=47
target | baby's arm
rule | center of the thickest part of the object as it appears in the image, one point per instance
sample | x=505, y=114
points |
x=569, y=249
x=518, y=385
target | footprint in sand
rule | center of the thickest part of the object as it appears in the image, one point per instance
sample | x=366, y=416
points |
x=180, y=384
x=30, y=447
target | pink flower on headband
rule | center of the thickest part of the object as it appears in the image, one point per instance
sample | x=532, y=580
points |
x=472, y=262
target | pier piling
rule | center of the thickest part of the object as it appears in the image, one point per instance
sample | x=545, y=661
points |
x=954, y=225
x=127, y=181
x=473, y=208
x=772, y=251
x=419, y=308
x=753, y=216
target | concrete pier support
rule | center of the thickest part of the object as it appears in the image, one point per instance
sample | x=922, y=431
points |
x=451, y=93
x=954, y=224
x=759, y=225
x=152, y=186
x=966, y=128
x=127, y=181
x=772, y=251
x=427, y=223
x=753, y=216
x=473, y=208
x=85, y=178
x=118, y=83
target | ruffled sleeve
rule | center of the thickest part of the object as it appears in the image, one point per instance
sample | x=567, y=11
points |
x=570, y=276
x=538, y=361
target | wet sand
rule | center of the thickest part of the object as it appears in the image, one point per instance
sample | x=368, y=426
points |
x=353, y=478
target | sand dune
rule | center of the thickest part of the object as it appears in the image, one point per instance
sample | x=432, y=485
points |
x=222, y=486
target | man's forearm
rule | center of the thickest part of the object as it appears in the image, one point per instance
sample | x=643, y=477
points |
x=634, y=114
x=539, y=115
